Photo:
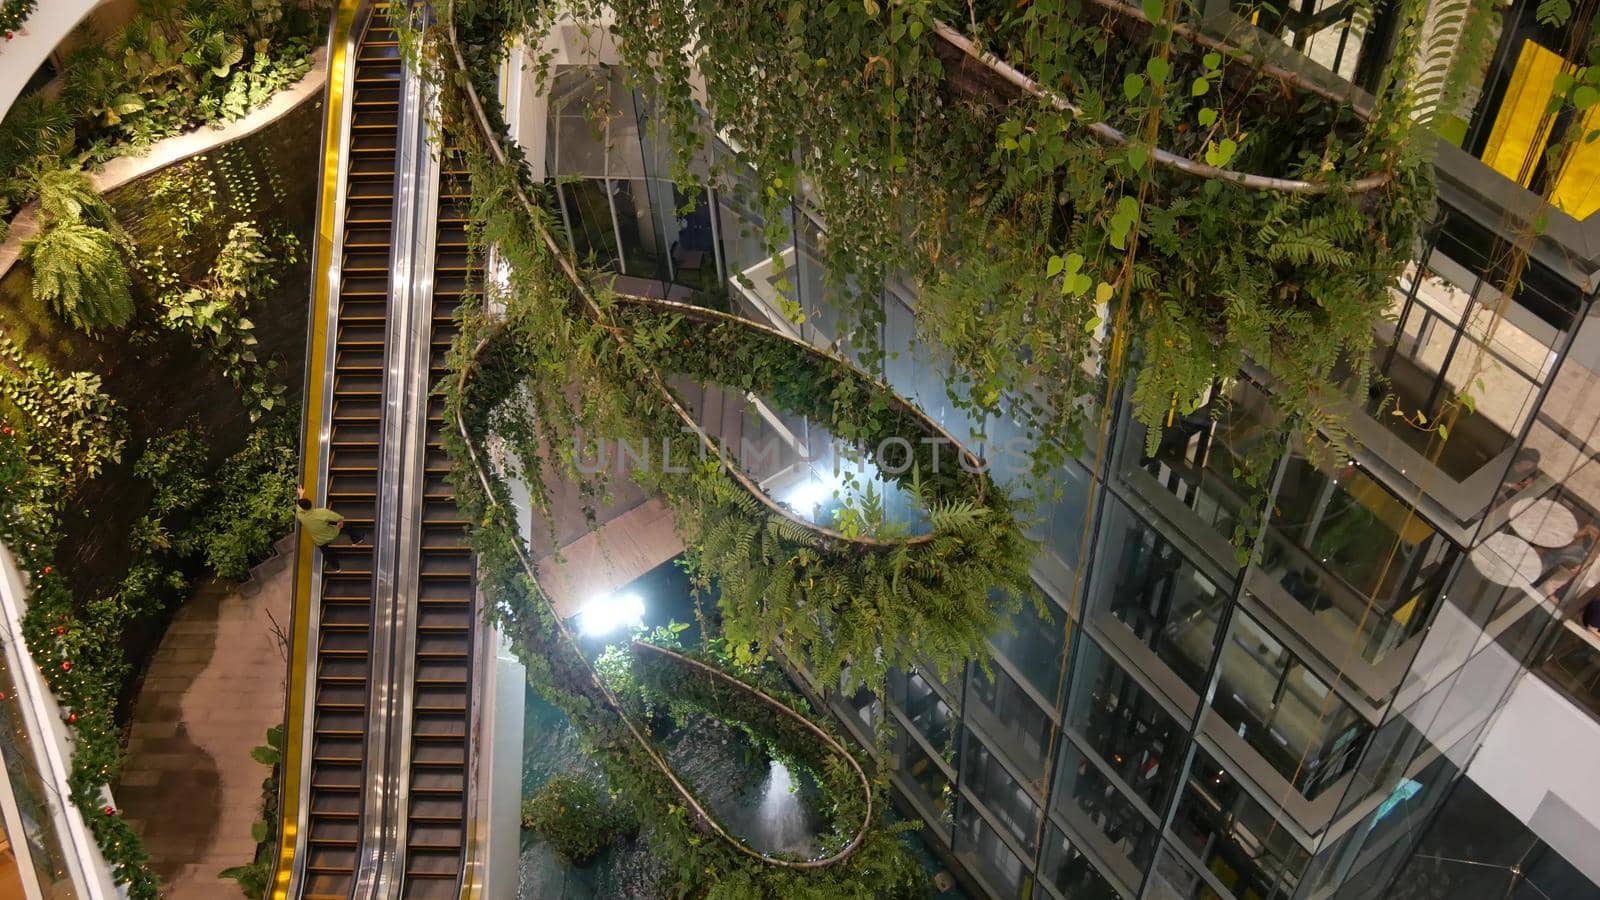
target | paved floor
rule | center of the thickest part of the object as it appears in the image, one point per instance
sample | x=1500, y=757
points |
x=214, y=687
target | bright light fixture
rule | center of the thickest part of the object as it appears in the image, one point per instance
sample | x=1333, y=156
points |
x=810, y=494
x=609, y=613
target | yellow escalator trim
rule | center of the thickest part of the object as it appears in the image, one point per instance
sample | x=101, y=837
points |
x=1577, y=189
x=300, y=633
x=1521, y=127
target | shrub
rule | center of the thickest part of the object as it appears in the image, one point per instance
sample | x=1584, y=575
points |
x=251, y=504
x=78, y=264
x=576, y=817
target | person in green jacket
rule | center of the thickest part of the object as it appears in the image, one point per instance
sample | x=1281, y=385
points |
x=322, y=525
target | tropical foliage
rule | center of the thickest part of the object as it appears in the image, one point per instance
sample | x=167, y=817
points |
x=79, y=644
x=1113, y=172
x=575, y=815
x=584, y=362
x=212, y=313
x=78, y=256
x=175, y=65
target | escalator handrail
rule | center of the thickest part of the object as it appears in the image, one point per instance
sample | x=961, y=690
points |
x=412, y=262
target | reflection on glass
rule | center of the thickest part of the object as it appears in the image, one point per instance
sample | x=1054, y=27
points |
x=1286, y=713
x=1063, y=518
x=1033, y=645
x=862, y=705
x=32, y=794
x=1159, y=595
x=932, y=786
x=1237, y=838
x=1132, y=734
x=642, y=255
x=925, y=708
x=693, y=247
x=1175, y=878
x=1202, y=455
x=1071, y=873
x=1095, y=807
x=985, y=854
x=1339, y=543
x=1008, y=799
x=1011, y=719
x=588, y=215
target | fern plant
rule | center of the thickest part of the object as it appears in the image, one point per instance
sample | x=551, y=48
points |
x=78, y=257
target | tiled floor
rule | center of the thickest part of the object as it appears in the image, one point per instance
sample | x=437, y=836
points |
x=215, y=686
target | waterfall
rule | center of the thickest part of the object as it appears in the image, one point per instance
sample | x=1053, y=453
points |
x=781, y=816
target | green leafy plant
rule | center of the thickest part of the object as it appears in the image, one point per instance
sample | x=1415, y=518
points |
x=256, y=877
x=72, y=427
x=78, y=643
x=251, y=502
x=1113, y=169
x=175, y=65
x=78, y=256
x=576, y=817
x=212, y=313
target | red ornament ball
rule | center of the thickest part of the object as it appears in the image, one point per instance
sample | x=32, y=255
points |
x=61, y=629
x=111, y=810
x=49, y=569
x=72, y=717
x=66, y=665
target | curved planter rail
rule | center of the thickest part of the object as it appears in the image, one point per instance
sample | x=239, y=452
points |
x=1166, y=158
x=529, y=567
x=822, y=534
x=949, y=468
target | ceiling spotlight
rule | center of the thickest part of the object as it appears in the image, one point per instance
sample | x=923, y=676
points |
x=609, y=613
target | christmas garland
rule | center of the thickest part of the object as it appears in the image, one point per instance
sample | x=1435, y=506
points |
x=13, y=13
x=81, y=668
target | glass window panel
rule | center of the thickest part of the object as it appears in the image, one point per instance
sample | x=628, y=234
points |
x=1362, y=561
x=588, y=213
x=1148, y=586
x=1071, y=873
x=925, y=708
x=1284, y=711
x=693, y=243
x=1175, y=878
x=1237, y=838
x=1131, y=733
x=1200, y=453
x=1065, y=515
x=1005, y=797
x=643, y=255
x=1098, y=810
x=1033, y=645
x=863, y=706
x=1011, y=719
x=932, y=789
x=985, y=854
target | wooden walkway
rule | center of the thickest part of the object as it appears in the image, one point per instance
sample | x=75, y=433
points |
x=215, y=686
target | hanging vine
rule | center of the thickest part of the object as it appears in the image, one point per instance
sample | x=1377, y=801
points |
x=1271, y=212
x=590, y=363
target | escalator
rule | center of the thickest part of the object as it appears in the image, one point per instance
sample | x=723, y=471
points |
x=446, y=619
x=377, y=798
x=345, y=625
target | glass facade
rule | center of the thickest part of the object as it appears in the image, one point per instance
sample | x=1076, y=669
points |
x=1183, y=719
